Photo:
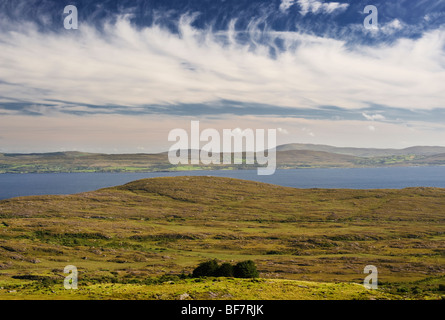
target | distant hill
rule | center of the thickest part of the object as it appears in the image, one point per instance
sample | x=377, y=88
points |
x=62, y=154
x=308, y=158
x=289, y=156
x=364, y=152
x=437, y=159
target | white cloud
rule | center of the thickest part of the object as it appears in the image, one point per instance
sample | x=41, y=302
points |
x=282, y=131
x=286, y=4
x=135, y=67
x=392, y=26
x=318, y=7
x=308, y=132
x=371, y=128
x=373, y=117
x=395, y=24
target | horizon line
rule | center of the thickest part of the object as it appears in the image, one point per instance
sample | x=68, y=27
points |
x=243, y=151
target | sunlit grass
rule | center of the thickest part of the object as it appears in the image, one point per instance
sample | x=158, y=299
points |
x=162, y=226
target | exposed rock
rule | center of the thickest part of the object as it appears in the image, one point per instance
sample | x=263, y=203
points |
x=184, y=296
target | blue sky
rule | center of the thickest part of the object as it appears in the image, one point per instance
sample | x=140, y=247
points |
x=134, y=70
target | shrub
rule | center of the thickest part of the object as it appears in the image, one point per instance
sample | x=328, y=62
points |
x=225, y=270
x=211, y=268
x=245, y=269
x=206, y=269
x=416, y=290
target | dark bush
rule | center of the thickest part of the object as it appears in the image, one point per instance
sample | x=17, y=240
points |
x=245, y=269
x=416, y=290
x=206, y=269
x=225, y=270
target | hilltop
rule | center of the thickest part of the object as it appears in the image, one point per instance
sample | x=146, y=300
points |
x=152, y=227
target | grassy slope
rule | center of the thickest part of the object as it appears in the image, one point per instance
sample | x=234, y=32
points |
x=148, y=228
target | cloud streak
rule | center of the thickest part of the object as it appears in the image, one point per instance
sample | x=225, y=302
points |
x=132, y=67
x=319, y=7
x=373, y=116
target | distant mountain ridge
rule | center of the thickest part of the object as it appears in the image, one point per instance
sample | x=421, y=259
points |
x=289, y=156
x=350, y=151
x=364, y=152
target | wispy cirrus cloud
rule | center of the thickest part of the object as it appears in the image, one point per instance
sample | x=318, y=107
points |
x=286, y=4
x=135, y=67
x=373, y=116
x=314, y=6
x=314, y=81
x=320, y=7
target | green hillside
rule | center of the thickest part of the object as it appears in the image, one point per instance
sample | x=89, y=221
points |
x=135, y=241
x=288, y=157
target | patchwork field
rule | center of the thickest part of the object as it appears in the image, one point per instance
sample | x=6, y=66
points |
x=74, y=161
x=141, y=240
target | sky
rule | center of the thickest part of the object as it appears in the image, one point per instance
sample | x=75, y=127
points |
x=134, y=70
